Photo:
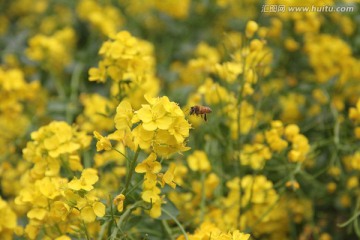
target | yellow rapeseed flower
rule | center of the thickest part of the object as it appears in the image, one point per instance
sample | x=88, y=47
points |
x=94, y=115
x=89, y=213
x=7, y=221
x=149, y=165
x=154, y=117
x=251, y=28
x=119, y=202
x=198, y=161
x=55, y=144
x=168, y=176
x=354, y=112
x=88, y=178
x=124, y=115
x=103, y=143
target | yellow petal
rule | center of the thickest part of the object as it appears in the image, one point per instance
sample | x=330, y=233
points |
x=145, y=113
x=150, y=195
x=155, y=211
x=99, y=209
x=164, y=122
x=87, y=214
x=37, y=213
x=90, y=176
x=75, y=184
x=149, y=126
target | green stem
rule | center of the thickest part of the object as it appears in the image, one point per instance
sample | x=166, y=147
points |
x=337, y=126
x=120, y=153
x=102, y=230
x=75, y=81
x=74, y=89
x=168, y=230
x=356, y=214
x=59, y=87
x=131, y=171
x=239, y=140
x=85, y=230
x=113, y=220
x=123, y=216
x=135, y=186
x=177, y=222
x=203, y=197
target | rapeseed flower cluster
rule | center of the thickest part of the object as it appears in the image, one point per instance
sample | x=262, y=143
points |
x=158, y=127
x=246, y=202
x=354, y=115
x=57, y=206
x=209, y=230
x=9, y=220
x=175, y=9
x=130, y=64
x=103, y=18
x=161, y=126
x=95, y=114
x=53, y=203
x=54, y=146
x=279, y=138
x=336, y=58
x=54, y=52
x=19, y=99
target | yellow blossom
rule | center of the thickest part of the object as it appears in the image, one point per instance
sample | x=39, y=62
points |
x=209, y=230
x=155, y=116
x=354, y=112
x=98, y=74
x=103, y=143
x=291, y=131
x=292, y=184
x=331, y=187
x=89, y=213
x=63, y=237
x=155, y=210
x=52, y=142
x=251, y=28
x=149, y=165
x=103, y=18
x=119, y=202
x=54, y=51
x=88, y=178
x=8, y=219
x=198, y=161
x=169, y=176
x=275, y=141
x=352, y=182
x=142, y=137
x=94, y=115
x=180, y=129
x=328, y=55
x=151, y=195
x=124, y=115
x=291, y=45
x=255, y=155
x=59, y=210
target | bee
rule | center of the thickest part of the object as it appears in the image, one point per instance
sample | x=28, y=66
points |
x=200, y=110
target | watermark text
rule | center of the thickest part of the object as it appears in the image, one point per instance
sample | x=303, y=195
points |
x=274, y=8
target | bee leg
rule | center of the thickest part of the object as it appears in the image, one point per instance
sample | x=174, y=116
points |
x=205, y=117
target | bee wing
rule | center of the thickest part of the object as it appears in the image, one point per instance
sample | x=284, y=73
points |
x=186, y=111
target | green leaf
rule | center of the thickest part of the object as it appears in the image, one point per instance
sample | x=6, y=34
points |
x=170, y=208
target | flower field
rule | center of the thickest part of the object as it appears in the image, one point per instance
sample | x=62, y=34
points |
x=180, y=119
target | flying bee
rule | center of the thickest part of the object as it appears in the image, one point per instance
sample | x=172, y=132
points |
x=200, y=110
